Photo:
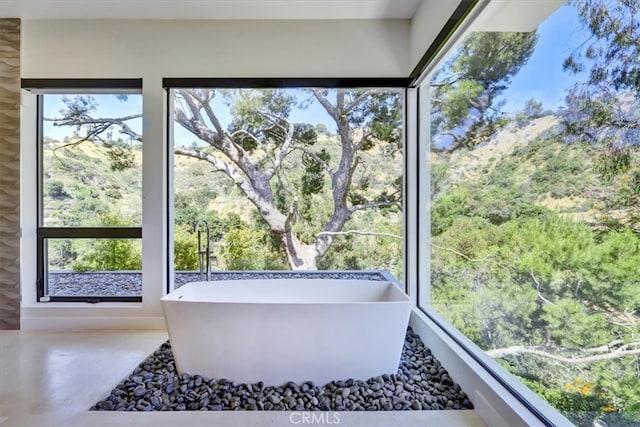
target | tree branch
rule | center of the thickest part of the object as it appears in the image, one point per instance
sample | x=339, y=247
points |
x=228, y=169
x=358, y=100
x=214, y=119
x=333, y=111
x=542, y=298
x=284, y=148
x=70, y=144
x=360, y=233
x=291, y=216
x=468, y=258
x=546, y=352
x=363, y=140
x=96, y=127
x=315, y=157
x=218, y=164
x=448, y=81
x=247, y=133
x=372, y=205
x=104, y=124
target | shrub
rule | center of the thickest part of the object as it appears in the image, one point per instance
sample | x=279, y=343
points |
x=55, y=188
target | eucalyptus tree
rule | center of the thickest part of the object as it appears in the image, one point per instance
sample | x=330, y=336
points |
x=467, y=87
x=261, y=149
x=603, y=108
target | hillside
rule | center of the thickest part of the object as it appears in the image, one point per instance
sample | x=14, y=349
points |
x=522, y=166
x=528, y=168
x=80, y=186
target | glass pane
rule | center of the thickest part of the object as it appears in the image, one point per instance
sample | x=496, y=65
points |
x=94, y=267
x=289, y=179
x=535, y=174
x=91, y=166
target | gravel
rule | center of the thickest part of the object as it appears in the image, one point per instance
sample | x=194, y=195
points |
x=420, y=383
x=95, y=283
x=127, y=283
x=182, y=278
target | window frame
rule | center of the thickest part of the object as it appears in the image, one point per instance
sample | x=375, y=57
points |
x=40, y=88
x=170, y=83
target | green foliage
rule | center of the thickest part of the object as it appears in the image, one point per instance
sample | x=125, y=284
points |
x=109, y=254
x=305, y=133
x=610, y=55
x=314, y=173
x=609, y=58
x=559, y=176
x=386, y=117
x=465, y=89
x=245, y=249
x=192, y=205
x=185, y=248
x=438, y=174
x=113, y=193
x=369, y=252
x=538, y=246
x=61, y=253
x=78, y=108
x=448, y=208
x=552, y=281
x=121, y=157
x=90, y=188
x=322, y=129
x=259, y=117
x=578, y=401
x=55, y=188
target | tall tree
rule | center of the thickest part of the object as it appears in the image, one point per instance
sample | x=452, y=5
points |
x=603, y=109
x=465, y=90
x=253, y=151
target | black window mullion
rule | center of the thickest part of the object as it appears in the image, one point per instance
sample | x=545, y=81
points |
x=89, y=232
x=289, y=82
x=86, y=85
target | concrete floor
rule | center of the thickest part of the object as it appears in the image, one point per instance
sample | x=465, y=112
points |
x=52, y=378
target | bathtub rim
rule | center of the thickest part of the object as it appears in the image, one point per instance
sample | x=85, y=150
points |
x=399, y=295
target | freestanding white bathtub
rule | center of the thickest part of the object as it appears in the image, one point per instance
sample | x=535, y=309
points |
x=280, y=330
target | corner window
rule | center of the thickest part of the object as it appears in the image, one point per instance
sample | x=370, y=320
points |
x=533, y=248
x=89, y=195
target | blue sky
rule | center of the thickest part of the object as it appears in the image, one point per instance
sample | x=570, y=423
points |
x=541, y=78
x=108, y=106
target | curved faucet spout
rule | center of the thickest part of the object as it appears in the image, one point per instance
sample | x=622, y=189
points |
x=204, y=251
x=197, y=225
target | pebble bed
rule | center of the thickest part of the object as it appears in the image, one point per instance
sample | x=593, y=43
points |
x=125, y=283
x=421, y=383
x=91, y=283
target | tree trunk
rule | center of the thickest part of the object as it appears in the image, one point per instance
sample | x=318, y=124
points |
x=300, y=255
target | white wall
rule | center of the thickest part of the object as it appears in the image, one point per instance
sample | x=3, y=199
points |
x=515, y=15
x=423, y=30
x=103, y=48
x=156, y=49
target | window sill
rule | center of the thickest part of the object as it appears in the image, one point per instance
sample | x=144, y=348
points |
x=83, y=305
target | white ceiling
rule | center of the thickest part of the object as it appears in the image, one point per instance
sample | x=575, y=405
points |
x=208, y=9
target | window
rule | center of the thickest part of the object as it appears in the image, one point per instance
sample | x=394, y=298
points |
x=532, y=164
x=89, y=194
x=300, y=177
